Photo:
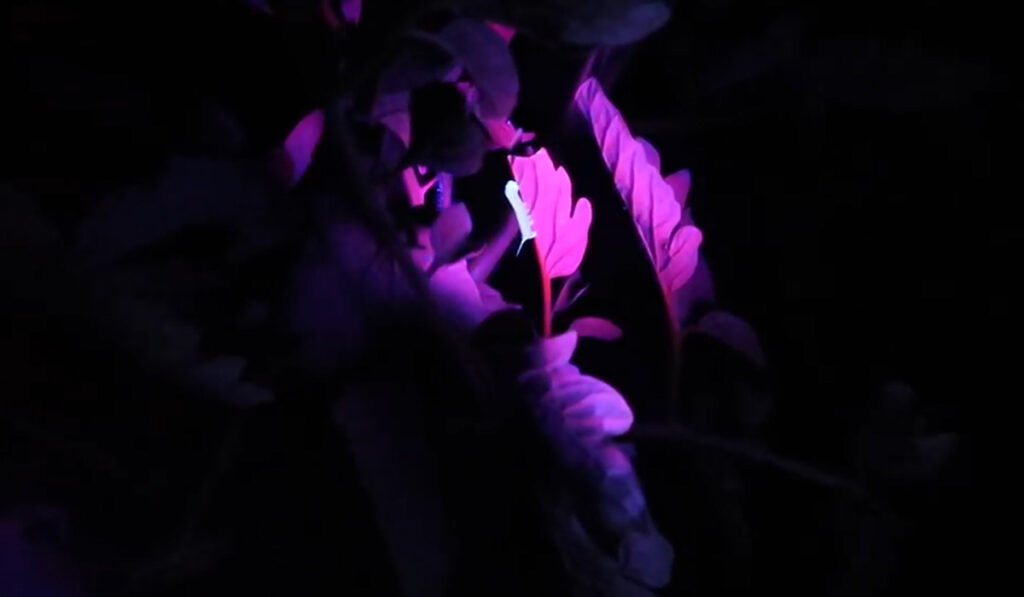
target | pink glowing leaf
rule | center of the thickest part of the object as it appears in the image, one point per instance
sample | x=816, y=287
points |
x=561, y=230
x=449, y=233
x=671, y=242
x=596, y=327
x=680, y=183
x=504, y=134
x=653, y=157
x=571, y=291
x=297, y=151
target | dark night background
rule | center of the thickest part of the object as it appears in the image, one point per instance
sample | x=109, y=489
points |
x=845, y=162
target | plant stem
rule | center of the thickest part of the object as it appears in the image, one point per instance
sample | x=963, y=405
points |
x=545, y=290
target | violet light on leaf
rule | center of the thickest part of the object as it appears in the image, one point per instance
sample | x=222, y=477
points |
x=658, y=209
x=656, y=204
x=352, y=10
x=588, y=410
x=596, y=327
x=462, y=301
x=296, y=152
x=572, y=289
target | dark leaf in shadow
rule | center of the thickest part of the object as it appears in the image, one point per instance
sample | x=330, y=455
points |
x=582, y=22
x=733, y=332
x=445, y=136
x=486, y=58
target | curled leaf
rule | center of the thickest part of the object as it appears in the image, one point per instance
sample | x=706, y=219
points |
x=561, y=230
x=596, y=327
x=671, y=242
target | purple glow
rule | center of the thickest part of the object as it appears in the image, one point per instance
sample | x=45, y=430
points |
x=589, y=409
x=300, y=144
x=596, y=327
x=561, y=230
x=655, y=203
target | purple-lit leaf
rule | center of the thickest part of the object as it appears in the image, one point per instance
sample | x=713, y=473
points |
x=596, y=327
x=653, y=157
x=672, y=244
x=351, y=10
x=503, y=133
x=300, y=144
x=449, y=233
x=504, y=31
x=571, y=291
x=586, y=408
x=561, y=230
x=460, y=299
x=491, y=299
x=698, y=290
x=680, y=182
x=734, y=333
